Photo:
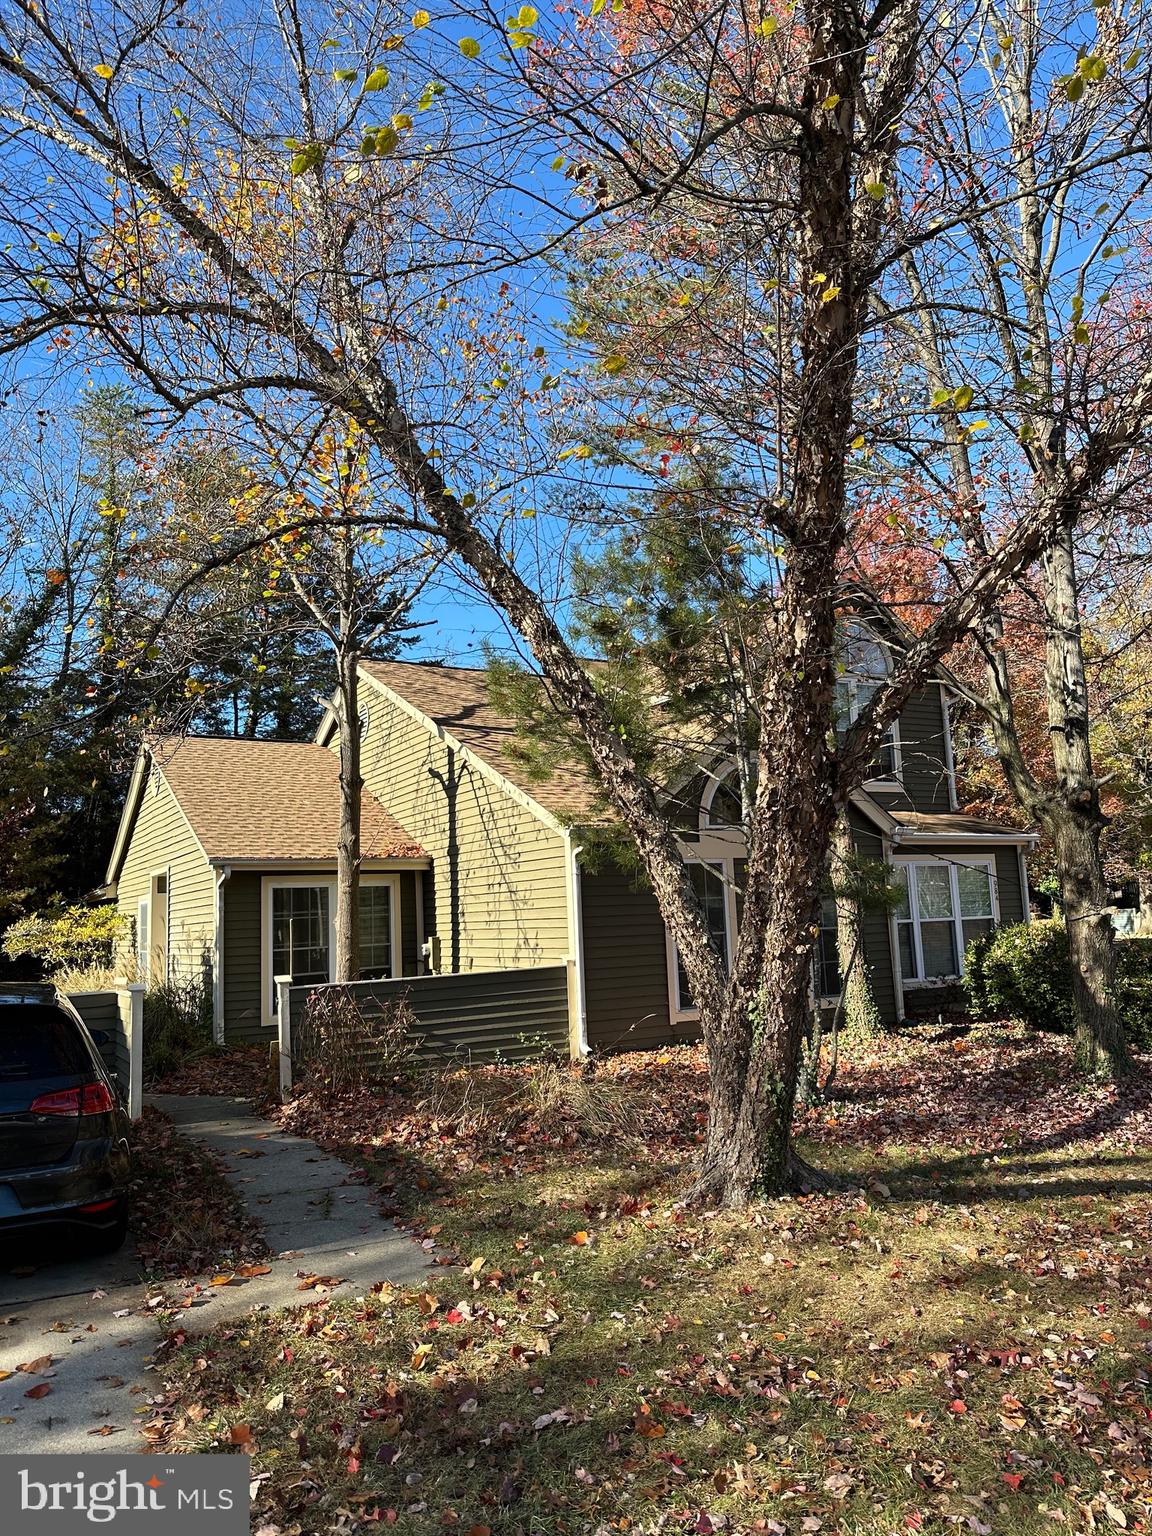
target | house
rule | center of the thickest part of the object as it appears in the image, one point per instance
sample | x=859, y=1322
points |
x=225, y=863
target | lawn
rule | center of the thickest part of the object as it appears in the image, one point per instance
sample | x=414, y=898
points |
x=959, y=1342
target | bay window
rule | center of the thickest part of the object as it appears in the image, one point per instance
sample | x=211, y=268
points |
x=944, y=904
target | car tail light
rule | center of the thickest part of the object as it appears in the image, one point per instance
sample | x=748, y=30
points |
x=91, y=1099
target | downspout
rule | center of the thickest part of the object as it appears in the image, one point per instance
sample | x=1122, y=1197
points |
x=218, y=959
x=576, y=938
x=949, y=753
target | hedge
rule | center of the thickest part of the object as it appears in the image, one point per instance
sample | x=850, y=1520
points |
x=1025, y=972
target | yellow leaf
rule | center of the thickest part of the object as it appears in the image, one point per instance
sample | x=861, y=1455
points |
x=401, y=120
x=830, y=101
x=829, y=294
x=378, y=79
x=105, y=71
x=421, y=19
x=469, y=47
x=420, y=1356
x=767, y=27
x=615, y=363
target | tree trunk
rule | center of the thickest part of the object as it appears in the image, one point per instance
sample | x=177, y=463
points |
x=1100, y=1048
x=1074, y=820
x=347, y=966
x=857, y=1008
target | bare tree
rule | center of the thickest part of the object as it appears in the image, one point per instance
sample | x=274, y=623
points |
x=1043, y=392
x=351, y=272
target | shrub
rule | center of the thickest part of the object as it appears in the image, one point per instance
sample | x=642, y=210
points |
x=76, y=939
x=177, y=1026
x=340, y=1044
x=1025, y=972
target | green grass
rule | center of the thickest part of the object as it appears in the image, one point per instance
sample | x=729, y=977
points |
x=963, y=1347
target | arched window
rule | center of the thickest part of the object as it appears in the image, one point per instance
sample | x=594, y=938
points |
x=866, y=666
x=722, y=806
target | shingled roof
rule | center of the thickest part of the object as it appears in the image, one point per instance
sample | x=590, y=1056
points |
x=270, y=800
x=456, y=698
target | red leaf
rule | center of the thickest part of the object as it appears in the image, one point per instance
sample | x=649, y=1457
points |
x=1013, y=1479
x=957, y=1405
x=42, y=1390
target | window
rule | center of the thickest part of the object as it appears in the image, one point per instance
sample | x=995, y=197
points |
x=827, y=957
x=866, y=668
x=299, y=934
x=375, y=932
x=710, y=887
x=143, y=940
x=724, y=807
x=301, y=938
x=944, y=905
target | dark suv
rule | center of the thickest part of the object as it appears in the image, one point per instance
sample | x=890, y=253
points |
x=63, y=1130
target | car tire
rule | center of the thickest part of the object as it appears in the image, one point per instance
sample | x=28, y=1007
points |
x=111, y=1238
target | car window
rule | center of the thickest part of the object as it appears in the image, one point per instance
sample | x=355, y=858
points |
x=37, y=1040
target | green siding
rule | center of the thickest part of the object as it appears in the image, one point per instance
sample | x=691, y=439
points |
x=875, y=924
x=409, y=945
x=101, y=1011
x=470, y=1015
x=242, y=959
x=923, y=756
x=625, y=966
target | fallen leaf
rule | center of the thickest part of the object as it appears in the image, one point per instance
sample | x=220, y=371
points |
x=42, y=1389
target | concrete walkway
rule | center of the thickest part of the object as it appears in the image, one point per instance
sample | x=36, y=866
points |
x=318, y=1214
x=319, y=1219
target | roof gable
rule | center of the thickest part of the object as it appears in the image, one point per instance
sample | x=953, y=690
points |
x=455, y=702
x=265, y=801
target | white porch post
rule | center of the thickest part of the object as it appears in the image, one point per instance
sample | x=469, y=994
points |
x=132, y=1018
x=283, y=986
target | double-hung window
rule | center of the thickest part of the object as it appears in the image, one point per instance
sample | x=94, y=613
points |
x=827, y=957
x=944, y=904
x=708, y=880
x=375, y=932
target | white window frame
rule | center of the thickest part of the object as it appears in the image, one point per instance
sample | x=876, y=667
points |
x=271, y=883
x=723, y=861
x=953, y=863
x=849, y=680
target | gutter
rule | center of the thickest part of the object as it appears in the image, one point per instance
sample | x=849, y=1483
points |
x=218, y=959
x=576, y=937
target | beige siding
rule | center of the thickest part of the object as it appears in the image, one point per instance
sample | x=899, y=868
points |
x=498, y=880
x=162, y=840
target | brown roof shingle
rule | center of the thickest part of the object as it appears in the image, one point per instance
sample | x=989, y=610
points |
x=456, y=698
x=273, y=800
